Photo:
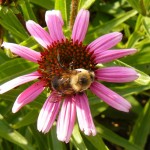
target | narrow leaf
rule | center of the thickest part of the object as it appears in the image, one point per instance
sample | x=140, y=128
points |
x=142, y=127
x=97, y=142
x=12, y=135
x=77, y=138
x=27, y=11
x=10, y=22
x=107, y=27
x=56, y=145
x=14, y=68
x=114, y=138
x=44, y=3
x=86, y=4
x=27, y=119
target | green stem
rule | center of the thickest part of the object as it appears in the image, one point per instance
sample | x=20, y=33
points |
x=73, y=13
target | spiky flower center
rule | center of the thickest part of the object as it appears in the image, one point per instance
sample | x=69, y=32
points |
x=60, y=57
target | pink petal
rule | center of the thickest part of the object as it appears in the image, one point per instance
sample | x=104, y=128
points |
x=66, y=120
x=110, y=97
x=58, y=14
x=81, y=25
x=18, y=81
x=84, y=115
x=54, y=23
x=105, y=42
x=39, y=34
x=23, y=51
x=28, y=95
x=116, y=74
x=110, y=55
x=48, y=113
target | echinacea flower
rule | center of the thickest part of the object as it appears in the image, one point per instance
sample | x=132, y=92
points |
x=60, y=55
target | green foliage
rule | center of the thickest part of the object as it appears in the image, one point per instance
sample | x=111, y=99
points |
x=142, y=6
x=115, y=130
x=63, y=6
x=12, y=135
x=142, y=127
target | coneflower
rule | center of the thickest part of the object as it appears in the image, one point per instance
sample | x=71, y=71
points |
x=74, y=55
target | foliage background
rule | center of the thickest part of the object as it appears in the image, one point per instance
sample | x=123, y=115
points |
x=116, y=130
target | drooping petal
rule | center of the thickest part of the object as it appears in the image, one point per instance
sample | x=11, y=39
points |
x=84, y=115
x=18, y=81
x=48, y=113
x=116, y=74
x=28, y=95
x=110, y=97
x=54, y=23
x=39, y=34
x=110, y=55
x=80, y=26
x=105, y=42
x=66, y=120
x=23, y=51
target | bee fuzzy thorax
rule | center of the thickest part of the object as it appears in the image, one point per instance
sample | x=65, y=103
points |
x=81, y=80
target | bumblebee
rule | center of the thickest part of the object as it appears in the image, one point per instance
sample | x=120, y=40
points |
x=72, y=81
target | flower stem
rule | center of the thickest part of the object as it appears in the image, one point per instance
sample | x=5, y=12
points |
x=73, y=13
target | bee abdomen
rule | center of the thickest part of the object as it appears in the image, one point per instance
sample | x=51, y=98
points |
x=61, y=85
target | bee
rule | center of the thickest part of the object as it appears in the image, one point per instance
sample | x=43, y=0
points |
x=72, y=81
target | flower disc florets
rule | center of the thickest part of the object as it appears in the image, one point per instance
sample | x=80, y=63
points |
x=61, y=57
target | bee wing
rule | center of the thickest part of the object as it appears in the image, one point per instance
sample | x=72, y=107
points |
x=64, y=80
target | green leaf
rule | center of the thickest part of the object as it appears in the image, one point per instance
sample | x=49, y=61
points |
x=10, y=22
x=138, y=23
x=142, y=127
x=14, y=68
x=44, y=3
x=3, y=57
x=114, y=138
x=138, y=5
x=130, y=88
x=11, y=96
x=56, y=145
x=96, y=105
x=135, y=4
x=108, y=26
x=143, y=79
x=86, y=4
x=27, y=10
x=77, y=138
x=40, y=139
x=30, y=42
x=146, y=23
x=97, y=142
x=12, y=135
x=133, y=39
x=136, y=106
x=141, y=57
x=28, y=119
x=147, y=6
